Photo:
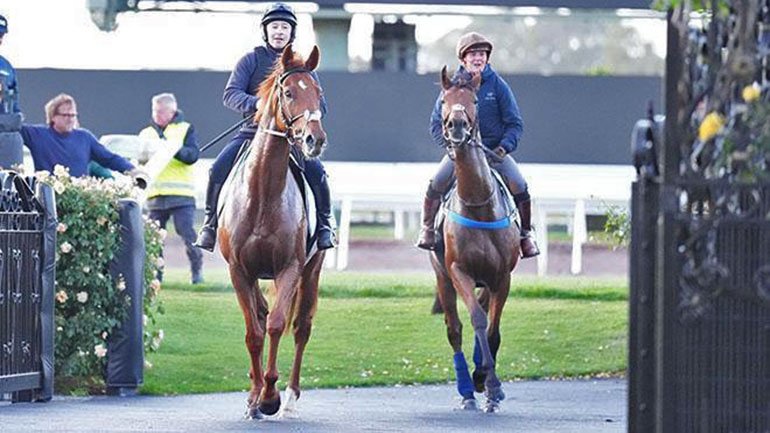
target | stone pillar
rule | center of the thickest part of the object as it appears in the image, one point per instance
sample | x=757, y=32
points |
x=331, y=31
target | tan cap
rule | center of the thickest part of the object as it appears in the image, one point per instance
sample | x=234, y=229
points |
x=475, y=41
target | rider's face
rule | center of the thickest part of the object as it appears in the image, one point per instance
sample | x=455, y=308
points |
x=475, y=61
x=278, y=34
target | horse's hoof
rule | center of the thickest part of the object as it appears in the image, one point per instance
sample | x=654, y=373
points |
x=478, y=380
x=495, y=394
x=253, y=413
x=491, y=406
x=270, y=407
x=468, y=404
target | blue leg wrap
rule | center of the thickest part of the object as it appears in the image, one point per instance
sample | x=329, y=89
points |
x=464, y=382
x=477, y=358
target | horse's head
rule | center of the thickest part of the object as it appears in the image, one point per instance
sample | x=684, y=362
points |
x=458, y=107
x=299, y=102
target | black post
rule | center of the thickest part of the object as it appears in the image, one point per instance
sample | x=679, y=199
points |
x=125, y=354
x=10, y=140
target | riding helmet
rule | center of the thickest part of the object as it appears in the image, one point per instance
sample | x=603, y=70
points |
x=3, y=25
x=473, y=42
x=279, y=12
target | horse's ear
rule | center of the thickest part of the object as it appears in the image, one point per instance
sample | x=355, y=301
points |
x=287, y=55
x=445, y=82
x=315, y=57
x=476, y=81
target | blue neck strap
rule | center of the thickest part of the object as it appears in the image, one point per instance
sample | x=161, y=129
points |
x=484, y=225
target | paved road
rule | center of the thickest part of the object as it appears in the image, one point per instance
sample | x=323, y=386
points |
x=532, y=407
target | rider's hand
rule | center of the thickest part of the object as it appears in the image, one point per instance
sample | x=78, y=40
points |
x=500, y=151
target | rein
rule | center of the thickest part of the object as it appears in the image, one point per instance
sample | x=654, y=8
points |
x=288, y=121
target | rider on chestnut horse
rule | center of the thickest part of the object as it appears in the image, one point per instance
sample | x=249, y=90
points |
x=501, y=127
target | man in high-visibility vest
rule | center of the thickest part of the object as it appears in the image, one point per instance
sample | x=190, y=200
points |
x=172, y=193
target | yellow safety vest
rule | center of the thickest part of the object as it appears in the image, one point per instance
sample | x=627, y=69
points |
x=177, y=178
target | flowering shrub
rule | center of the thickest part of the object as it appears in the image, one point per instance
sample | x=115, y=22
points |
x=89, y=302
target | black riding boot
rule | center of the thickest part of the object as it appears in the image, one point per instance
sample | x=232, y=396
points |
x=323, y=203
x=207, y=237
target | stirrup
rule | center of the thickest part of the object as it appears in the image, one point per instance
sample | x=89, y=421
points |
x=207, y=239
x=426, y=240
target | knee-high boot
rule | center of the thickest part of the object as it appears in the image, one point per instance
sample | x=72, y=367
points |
x=207, y=237
x=528, y=245
x=323, y=203
x=427, y=237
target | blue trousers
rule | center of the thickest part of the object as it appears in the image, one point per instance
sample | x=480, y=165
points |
x=183, y=223
x=314, y=170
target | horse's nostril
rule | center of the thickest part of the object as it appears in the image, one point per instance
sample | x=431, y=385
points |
x=309, y=140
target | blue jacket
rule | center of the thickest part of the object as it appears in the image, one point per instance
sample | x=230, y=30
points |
x=499, y=118
x=245, y=79
x=73, y=150
x=10, y=86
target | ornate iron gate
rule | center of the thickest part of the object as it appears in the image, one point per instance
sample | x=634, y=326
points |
x=27, y=236
x=699, y=344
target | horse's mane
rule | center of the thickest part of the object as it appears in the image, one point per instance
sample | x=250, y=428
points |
x=267, y=84
x=462, y=78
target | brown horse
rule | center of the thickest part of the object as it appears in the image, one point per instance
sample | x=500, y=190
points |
x=481, y=244
x=263, y=230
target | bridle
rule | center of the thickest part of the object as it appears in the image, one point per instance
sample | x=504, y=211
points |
x=291, y=134
x=471, y=136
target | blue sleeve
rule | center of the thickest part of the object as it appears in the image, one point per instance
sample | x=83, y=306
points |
x=324, y=107
x=236, y=96
x=104, y=157
x=26, y=136
x=436, y=131
x=510, y=116
x=189, y=152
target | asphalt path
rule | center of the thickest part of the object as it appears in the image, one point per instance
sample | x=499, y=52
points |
x=596, y=406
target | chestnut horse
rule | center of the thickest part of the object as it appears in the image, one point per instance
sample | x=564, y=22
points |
x=263, y=229
x=481, y=244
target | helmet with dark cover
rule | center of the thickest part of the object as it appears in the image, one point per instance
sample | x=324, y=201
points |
x=279, y=12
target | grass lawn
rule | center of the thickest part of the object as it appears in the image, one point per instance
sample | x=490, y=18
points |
x=376, y=330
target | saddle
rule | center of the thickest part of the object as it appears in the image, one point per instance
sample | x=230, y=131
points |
x=297, y=169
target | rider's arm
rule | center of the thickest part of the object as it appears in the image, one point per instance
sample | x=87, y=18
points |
x=435, y=123
x=236, y=96
x=510, y=116
x=189, y=152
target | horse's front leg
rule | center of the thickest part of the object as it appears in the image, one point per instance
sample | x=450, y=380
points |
x=286, y=289
x=447, y=297
x=307, y=300
x=496, y=303
x=247, y=292
x=465, y=285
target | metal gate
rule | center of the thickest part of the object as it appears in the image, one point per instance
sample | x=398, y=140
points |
x=699, y=343
x=27, y=237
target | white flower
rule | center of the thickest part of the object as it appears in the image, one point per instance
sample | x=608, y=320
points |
x=147, y=364
x=144, y=320
x=104, y=335
x=81, y=353
x=60, y=170
x=61, y=296
x=159, y=262
x=66, y=247
x=161, y=334
x=156, y=343
x=59, y=329
x=155, y=285
x=42, y=175
x=100, y=351
x=121, y=285
x=61, y=228
x=58, y=187
x=82, y=297
x=101, y=220
x=86, y=269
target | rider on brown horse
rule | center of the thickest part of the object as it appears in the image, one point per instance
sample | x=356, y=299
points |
x=279, y=24
x=501, y=126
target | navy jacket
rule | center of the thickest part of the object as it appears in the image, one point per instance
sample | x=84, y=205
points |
x=73, y=150
x=10, y=86
x=245, y=79
x=499, y=118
